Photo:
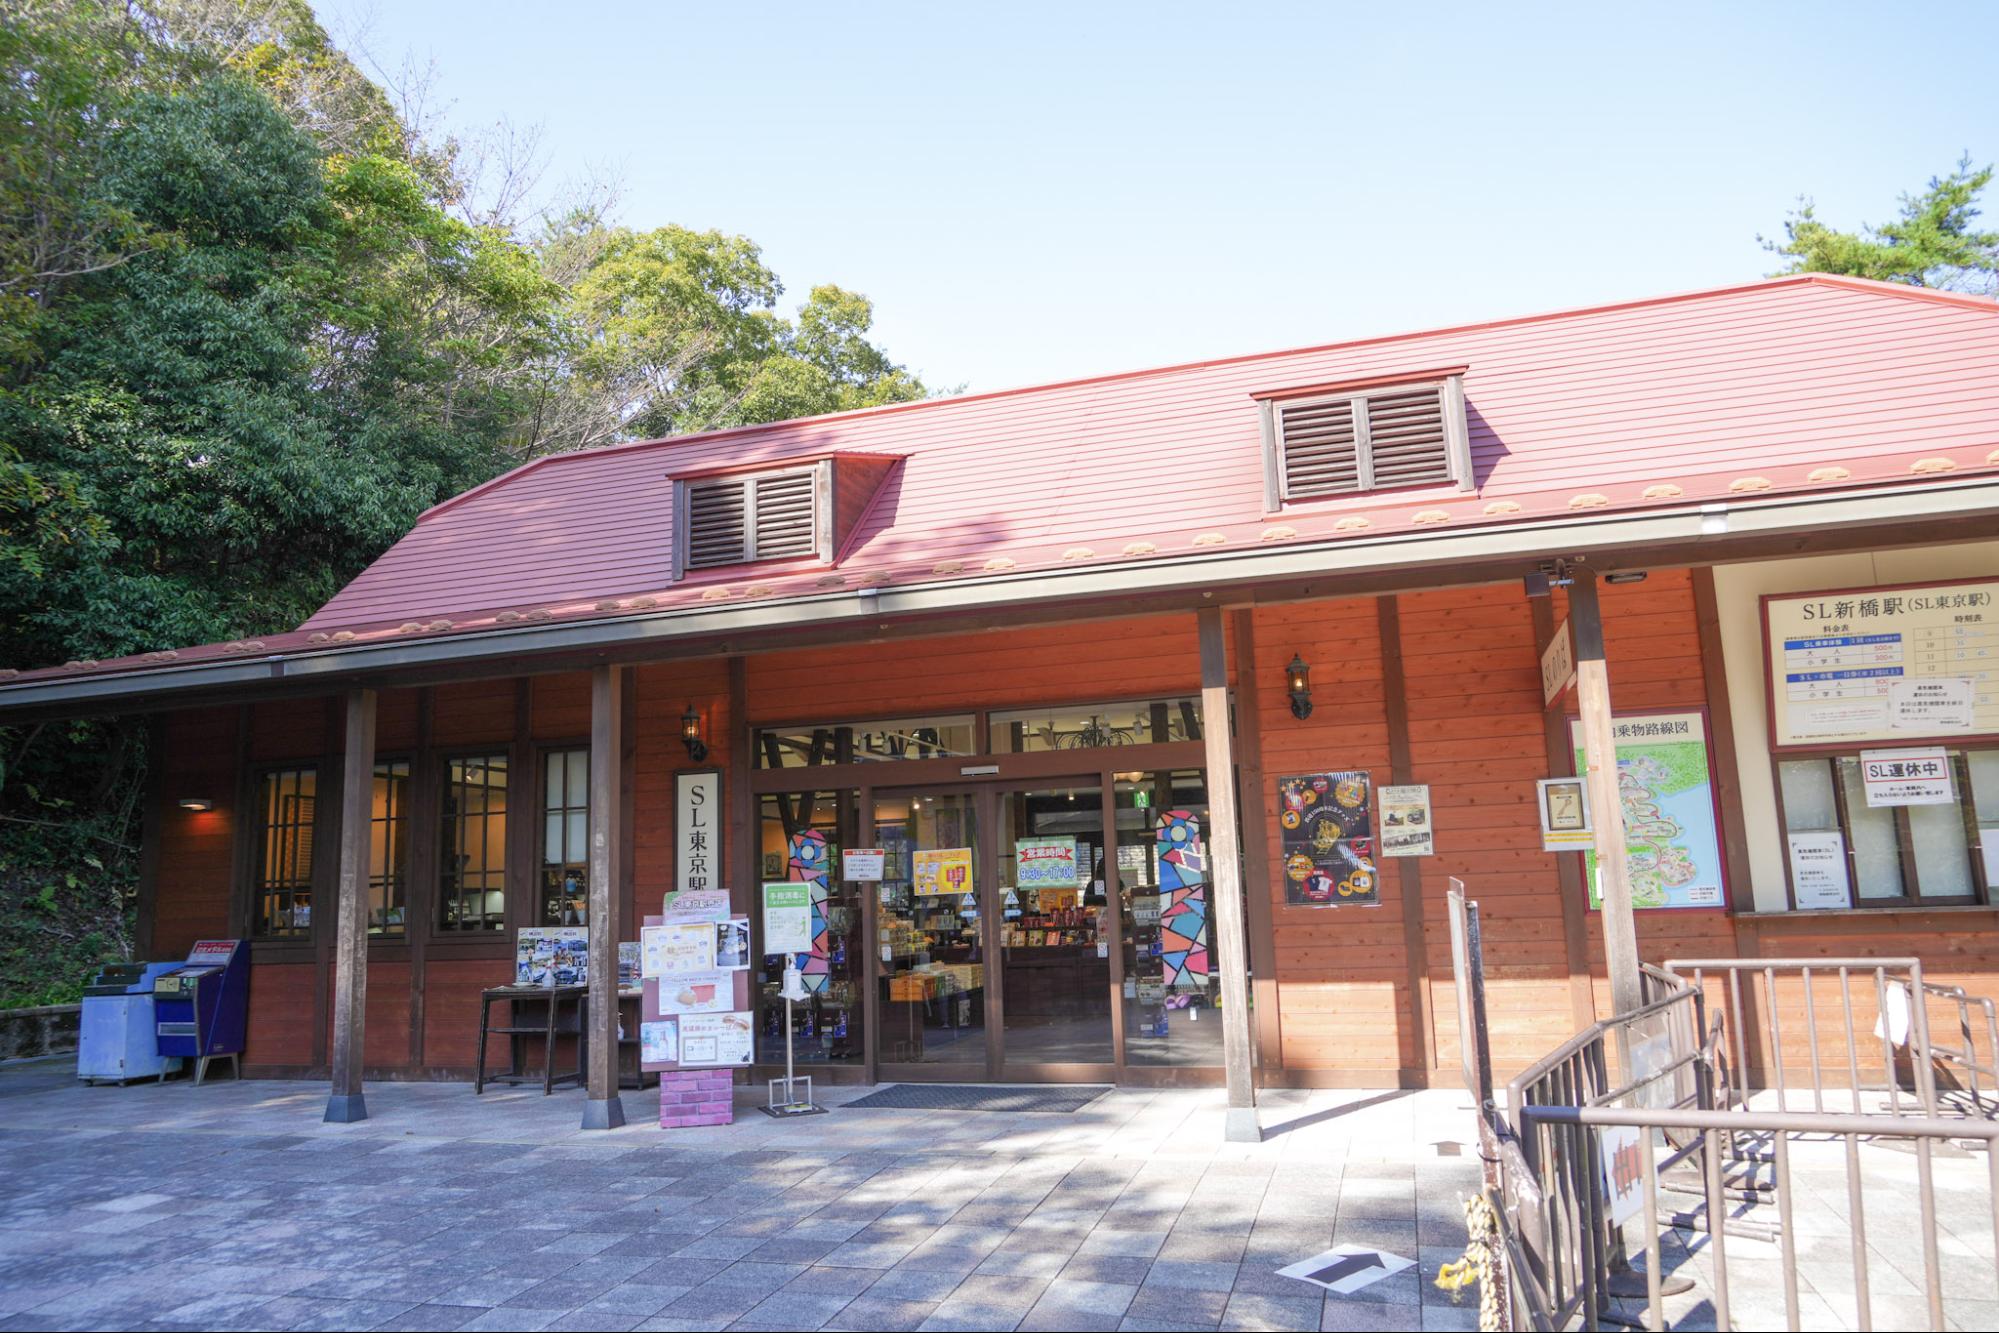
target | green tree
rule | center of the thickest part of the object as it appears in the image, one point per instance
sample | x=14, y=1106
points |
x=1934, y=243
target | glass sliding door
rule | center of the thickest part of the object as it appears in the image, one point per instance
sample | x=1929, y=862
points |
x=1171, y=989
x=1055, y=931
x=932, y=936
x=800, y=838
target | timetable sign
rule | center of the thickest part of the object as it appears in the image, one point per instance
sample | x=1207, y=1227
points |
x=1884, y=664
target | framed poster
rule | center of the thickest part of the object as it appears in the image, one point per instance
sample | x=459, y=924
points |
x=942, y=870
x=1564, y=805
x=697, y=829
x=1666, y=790
x=1327, y=826
x=677, y=948
x=711, y=1040
x=697, y=993
x=659, y=1042
x=552, y=956
x=1819, y=878
x=1405, y=821
x=787, y=917
x=1044, y=863
x=1910, y=662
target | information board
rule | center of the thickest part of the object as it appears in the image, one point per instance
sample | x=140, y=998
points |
x=1907, y=663
x=1667, y=796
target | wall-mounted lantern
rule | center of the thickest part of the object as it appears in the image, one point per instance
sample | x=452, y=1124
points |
x=690, y=735
x=196, y=803
x=1298, y=684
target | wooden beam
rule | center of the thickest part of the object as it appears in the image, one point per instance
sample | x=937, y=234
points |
x=608, y=699
x=1568, y=869
x=350, y=946
x=1256, y=844
x=1408, y=869
x=1225, y=880
x=1606, y=805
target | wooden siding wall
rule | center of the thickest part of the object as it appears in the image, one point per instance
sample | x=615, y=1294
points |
x=1468, y=722
x=423, y=1006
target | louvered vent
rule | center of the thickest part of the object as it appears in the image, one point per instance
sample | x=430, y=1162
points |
x=766, y=516
x=1404, y=435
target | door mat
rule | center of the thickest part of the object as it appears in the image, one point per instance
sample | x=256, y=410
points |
x=1060, y=1099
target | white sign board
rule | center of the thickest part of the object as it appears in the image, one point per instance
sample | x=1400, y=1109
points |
x=1907, y=777
x=1565, y=825
x=697, y=839
x=1819, y=878
x=787, y=917
x=1558, y=663
x=1623, y=1150
x=1843, y=666
x=1405, y=821
x=862, y=864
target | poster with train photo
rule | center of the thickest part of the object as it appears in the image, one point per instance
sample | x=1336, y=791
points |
x=1327, y=820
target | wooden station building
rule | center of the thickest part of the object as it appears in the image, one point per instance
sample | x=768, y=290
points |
x=1066, y=641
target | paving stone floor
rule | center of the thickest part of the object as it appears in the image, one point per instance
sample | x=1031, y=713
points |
x=231, y=1206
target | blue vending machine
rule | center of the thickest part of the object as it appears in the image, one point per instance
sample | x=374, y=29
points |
x=201, y=1008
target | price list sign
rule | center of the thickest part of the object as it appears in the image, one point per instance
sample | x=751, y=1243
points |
x=1883, y=664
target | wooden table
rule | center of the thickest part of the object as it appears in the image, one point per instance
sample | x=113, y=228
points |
x=553, y=999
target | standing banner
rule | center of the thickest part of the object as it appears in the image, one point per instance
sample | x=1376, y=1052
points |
x=1327, y=820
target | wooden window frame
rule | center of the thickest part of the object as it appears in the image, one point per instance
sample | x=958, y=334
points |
x=1457, y=438
x=407, y=858
x=821, y=473
x=436, y=928
x=257, y=833
x=543, y=754
x=1984, y=892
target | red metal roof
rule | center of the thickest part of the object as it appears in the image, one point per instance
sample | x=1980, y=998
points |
x=1800, y=383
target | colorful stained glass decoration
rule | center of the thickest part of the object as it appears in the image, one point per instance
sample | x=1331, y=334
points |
x=811, y=858
x=1183, y=900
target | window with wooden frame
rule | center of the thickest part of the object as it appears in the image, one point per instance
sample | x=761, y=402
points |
x=281, y=890
x=747, y=518
x=472, y=848
x=565, y=838
x=1893, y=856
x=1322, y=445
x=388, y=850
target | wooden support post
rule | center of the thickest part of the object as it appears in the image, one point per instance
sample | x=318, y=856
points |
x=1606, y=805
x=602, y=1109
x=1231, y=952
x=350, y=946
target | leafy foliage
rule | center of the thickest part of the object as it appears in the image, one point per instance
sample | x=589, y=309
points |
x=1934, y=242
x=252, y=325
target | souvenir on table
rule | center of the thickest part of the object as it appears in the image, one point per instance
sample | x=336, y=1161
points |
x=1327, y=822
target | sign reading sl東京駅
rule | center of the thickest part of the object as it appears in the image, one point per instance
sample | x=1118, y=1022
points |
x=1898, y=664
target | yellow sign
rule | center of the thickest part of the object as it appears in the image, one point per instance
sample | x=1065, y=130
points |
x=944, y=870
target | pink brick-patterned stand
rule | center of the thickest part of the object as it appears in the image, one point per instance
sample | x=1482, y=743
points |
x=691, y=1097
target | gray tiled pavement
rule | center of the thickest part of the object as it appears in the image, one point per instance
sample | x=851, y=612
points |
x=231, y=1206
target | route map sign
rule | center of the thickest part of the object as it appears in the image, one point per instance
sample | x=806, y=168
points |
x=1667, y=790
x=1883, y=664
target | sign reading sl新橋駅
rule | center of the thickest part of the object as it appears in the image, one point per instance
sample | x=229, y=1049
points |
x=1883, y=664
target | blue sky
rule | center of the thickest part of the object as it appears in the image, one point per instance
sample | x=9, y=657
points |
x=1034, y=192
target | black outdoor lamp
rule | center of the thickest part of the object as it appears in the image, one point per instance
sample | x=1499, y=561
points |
x=690, y=735
x=1298, y=684
x=196, y=803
